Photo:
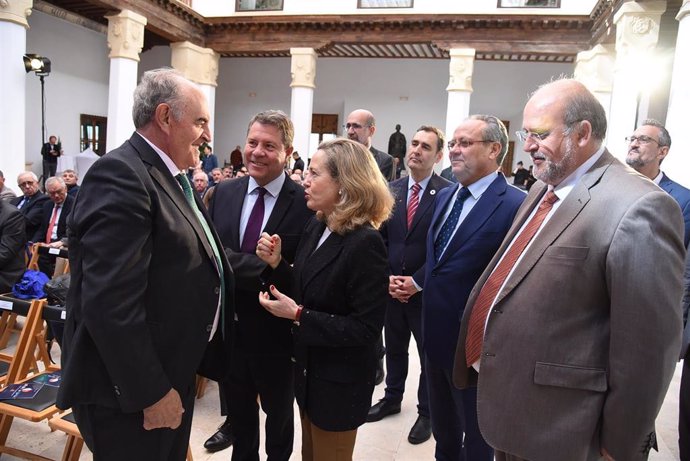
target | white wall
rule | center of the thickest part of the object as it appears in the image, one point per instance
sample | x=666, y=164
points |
x=405, y=91
x=78, y=83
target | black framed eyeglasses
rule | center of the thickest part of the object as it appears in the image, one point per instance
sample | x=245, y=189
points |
x=642, y=139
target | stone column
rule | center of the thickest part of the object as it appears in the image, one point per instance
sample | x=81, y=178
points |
x=199, y=65
x=594, y=68
x=459, y=92
x=13, y=130
x=303, y=72
x=125, y=40
x=637, y=32
x=677, y=164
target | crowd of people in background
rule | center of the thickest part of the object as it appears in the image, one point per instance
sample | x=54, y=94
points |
x=529, y=298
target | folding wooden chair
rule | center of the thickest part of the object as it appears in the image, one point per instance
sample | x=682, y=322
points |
x=21, y=370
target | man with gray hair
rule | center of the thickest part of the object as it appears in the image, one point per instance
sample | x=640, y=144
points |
x=53, y=227
x=31, y=202
x=647, y=148
x=148, y=296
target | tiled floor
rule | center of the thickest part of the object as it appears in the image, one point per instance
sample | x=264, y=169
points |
x=385, y=440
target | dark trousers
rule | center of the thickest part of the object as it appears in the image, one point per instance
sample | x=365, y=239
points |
x=684, y=412
x=113, y=435
x=49, y=169
x=402, y=321
x=270, y=379
x=454, y=414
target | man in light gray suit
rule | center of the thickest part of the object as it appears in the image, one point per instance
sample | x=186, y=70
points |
x=573, y=330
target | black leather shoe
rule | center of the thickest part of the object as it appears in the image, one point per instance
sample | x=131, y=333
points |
x=380, y=374
x=421, y=431
x=382, y=409
x=222, y=439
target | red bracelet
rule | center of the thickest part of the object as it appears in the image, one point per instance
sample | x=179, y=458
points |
x=299, y=313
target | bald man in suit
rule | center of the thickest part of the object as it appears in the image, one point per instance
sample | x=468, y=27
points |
x=570, y=334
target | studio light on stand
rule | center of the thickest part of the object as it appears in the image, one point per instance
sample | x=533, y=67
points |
x=41, y=66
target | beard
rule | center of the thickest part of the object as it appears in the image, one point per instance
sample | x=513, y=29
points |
x=635, y=162
x=553, y=173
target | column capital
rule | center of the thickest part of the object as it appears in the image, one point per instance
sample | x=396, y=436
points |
x=684, y=10
x=461, y=68
x=198, y=64
x=594, y=68
x=125, y=34
x=16, y=11
x=303, y=67
x=637, y=26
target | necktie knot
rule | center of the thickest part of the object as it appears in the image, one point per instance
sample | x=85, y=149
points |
x=550, y=197
x=464, y=194
x=416, y=188
x=261, y=192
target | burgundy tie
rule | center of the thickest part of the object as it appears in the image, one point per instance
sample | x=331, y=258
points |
x=413, y=204
x=253, y=229
x=475, y=331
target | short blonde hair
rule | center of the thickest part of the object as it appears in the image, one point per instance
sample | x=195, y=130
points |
x=364, y=194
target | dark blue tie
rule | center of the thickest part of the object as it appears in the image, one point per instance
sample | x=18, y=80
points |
x=449, y=226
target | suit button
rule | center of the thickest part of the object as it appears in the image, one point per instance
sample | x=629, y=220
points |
x=216, y=290
x=292, y=359
x=209, y=328
x=117, y=390
x=305, y=372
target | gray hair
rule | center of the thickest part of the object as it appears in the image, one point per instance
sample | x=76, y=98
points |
x=158, y=86
x=55, y=180
x=664, y=136
x=494, y=131
x=30, y=173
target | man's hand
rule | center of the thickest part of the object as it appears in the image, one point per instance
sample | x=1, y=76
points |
x=167, y=412
x=401, y=287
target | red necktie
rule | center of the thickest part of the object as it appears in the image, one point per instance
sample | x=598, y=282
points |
x=475, y=332
x=51, y=226
x=413, y=204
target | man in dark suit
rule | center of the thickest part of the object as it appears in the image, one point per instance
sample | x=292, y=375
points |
x=468, y=224
x=360, y=127
x=572, y=336
x=12, y=243
x=299, y=163
x=447, y=173
x=405, y=237
x=31, y=202
x=50, y=152
x=54, y=220
x=264, y=201
x=149, y=280
x=684, y=395
x=71, y=180
x=648, y=147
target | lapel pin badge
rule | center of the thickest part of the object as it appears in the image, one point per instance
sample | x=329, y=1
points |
x=432, y=192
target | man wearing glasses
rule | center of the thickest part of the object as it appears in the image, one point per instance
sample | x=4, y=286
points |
x=573, y=330
x=468, y=224
x=647, y=148
x=31, y=203
x=360, y=127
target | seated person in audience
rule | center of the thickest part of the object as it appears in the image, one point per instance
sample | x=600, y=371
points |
x=200, y=182
x=12, y=242
x=216, y=176
x=70, y=178
x=54, y=220
x=6, y=194
x=31, y=202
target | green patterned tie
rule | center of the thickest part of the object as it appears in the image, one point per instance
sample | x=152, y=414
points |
x=189, y=195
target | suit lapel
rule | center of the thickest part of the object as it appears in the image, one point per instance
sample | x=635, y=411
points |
x=282, y=205
x=399, y=219
x=476, y=218
x=565, y=214
x=425, y=202
x=319, y=259
x=233, y=210
x=160, y=174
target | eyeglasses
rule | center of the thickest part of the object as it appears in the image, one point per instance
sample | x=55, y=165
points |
x=354, y=126
x=524, y=135
x=465, y=143
x=642, y=139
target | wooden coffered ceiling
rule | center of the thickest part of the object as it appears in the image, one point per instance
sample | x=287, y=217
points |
x=547, y=38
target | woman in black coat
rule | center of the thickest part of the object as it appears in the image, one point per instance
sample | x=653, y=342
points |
x=340, y=287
